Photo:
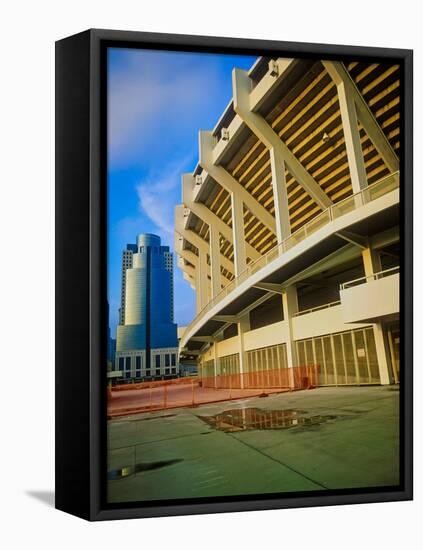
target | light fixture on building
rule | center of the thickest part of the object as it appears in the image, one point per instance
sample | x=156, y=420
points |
x=198, y=180
x=225, y=134
x=325, y=137
x=273, y=68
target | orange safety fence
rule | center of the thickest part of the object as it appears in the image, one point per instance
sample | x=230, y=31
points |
x=293, y=378
x=155, y=383
x=193, y=391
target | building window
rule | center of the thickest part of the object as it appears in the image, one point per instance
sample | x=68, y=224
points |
x=167, y=360
x=138, y=362
x=167, y=371
x=127, y=363
x=138, y=374
x=173, y=359
x=157, y=361
x=128, y=375
x=157, y=372
x=121, y=363
x=148, y=373
x=173, y=370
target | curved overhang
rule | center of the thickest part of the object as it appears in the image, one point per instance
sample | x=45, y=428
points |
x=371, y=211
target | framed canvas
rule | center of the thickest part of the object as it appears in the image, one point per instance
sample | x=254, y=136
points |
x=232, y=330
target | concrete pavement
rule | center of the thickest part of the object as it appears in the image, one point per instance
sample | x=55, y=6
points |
x=342, y=438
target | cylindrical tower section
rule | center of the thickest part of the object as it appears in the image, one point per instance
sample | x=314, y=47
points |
x=136, y=293
x=147, y=239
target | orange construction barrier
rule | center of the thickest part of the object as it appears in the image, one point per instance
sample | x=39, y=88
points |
x=128, y=399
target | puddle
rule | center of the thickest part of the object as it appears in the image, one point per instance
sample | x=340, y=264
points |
x=140, y=467
x=236, y=420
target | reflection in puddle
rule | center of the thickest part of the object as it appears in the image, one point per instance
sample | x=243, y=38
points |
x=140, y=467
x=236, y=420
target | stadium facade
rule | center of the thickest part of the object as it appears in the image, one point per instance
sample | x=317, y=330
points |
x=147, y=342
x=289, y=227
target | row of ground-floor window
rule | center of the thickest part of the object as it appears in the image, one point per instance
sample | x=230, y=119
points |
x=132, y=365
x=343, y=358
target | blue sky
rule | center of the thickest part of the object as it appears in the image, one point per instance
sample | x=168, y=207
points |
x=157, y=103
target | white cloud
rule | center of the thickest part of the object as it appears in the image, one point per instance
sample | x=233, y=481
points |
x=158, y=195
x=151, y=95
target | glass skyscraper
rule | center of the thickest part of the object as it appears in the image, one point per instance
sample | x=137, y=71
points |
x=147, y=344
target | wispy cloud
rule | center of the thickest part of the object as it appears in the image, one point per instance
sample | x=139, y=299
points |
x=150, y=95
x=158, y=195
x=157, y=102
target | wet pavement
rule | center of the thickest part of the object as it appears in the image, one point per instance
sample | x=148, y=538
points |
x=301, y=441
x=252, y=418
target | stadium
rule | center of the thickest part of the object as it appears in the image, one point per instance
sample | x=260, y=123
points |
x=289, y=229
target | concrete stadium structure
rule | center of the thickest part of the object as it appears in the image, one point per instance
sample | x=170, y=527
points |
x=289, y=227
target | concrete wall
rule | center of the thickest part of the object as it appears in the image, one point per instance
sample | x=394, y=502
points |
x=371, y=300
x=317, y=323
x=277, y=333
x=228, y=347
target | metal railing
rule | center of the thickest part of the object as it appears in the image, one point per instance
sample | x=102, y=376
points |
x=317, y=308
x=353, y=202
x=374, y=277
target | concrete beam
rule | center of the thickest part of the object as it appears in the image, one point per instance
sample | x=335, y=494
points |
x=270, y=287
x=229, y=183
x=202, y=339
x=385, y=238
x=201, y=281
x=214, y=241
x=352, y=139
x=341, y=76
x=226, y=318
x=190, y=257
x=209, y=217
x=345, y=254
x=249, y=308
x=353, y=238
x=240, y=257
x=241, y=84
x=196, y=240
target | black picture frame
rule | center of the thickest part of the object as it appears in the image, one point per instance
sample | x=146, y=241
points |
x=81, y=305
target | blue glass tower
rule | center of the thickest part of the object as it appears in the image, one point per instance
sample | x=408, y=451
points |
x=147, y=336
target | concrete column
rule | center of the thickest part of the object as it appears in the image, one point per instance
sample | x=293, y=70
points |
x=216, y=359
x=241, y=86
x=243, y=327
x=214, y=239
x=205, y=214
x=352, y=139
x=280, y=195
x=383, y=358
x=371, y=262
x=201, y=281
x=290, y=306
x=240, y=259
x=372, y=265
x=241, y=89
x=340, y=75
x=228, y=182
